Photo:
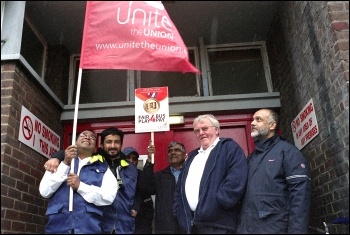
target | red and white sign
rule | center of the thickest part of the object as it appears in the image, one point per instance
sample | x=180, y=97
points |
x=36, y=135
x=304, y=126
x=151, y=109
x=136, y=35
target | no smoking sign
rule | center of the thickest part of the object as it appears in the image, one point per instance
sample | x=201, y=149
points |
x=36, y=135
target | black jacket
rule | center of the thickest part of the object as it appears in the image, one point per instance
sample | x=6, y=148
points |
x=143, y=204
x=163, y=186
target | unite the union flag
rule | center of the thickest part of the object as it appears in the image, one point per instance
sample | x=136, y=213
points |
x=134, y=35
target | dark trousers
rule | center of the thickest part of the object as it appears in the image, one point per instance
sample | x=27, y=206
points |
x=144, y=218
x=210, y=230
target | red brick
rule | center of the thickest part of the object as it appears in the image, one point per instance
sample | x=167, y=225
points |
x=338, y=26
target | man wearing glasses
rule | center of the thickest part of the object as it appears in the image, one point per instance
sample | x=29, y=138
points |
x=94, y=187
x=212, y=182
x=118, y=217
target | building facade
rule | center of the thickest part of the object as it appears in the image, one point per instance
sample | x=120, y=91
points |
x=302, y=54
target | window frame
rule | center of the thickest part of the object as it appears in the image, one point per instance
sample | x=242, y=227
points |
x=196, y=64
x=73, y=69
x=131, y=86
x=240, y=46
x=41, y=39
x=2, y=13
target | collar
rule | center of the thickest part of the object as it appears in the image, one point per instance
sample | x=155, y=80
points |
x=172, y=169
x=96, y=158
x=263, y=145
x=120, y=161
x=210, y=147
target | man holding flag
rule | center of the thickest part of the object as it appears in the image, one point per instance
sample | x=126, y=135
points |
x=117, y=217
x=94, y=188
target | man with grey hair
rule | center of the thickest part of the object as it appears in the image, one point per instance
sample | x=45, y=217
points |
x=212, y=182
x=277, y=199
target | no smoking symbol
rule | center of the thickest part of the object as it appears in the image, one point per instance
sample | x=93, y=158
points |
x=27, y=128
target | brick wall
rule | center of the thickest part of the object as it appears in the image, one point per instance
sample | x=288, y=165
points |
x=22, y=207
x=308, y=50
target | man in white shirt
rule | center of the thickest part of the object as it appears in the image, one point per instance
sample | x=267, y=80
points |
x=212, y=182
x=94, y=187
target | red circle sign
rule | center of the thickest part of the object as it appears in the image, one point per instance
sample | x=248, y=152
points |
x=27, y=127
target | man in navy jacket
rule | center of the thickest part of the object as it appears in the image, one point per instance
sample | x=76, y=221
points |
x=212, y=182
x=118, y=217
x=93, y=185
x=277, y=199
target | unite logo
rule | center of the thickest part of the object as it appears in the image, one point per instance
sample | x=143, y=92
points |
x=149, y=18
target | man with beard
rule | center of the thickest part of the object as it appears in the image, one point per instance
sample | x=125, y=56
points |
x=126, y=174
x=277, y=198
x=118, y=217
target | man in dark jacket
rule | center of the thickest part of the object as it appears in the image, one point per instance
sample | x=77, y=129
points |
x=212, y=182
x=163, y=186
x=277, y=199
x=126, y=173
x=143, y=204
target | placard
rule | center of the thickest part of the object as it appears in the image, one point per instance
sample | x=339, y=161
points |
x=151, y=109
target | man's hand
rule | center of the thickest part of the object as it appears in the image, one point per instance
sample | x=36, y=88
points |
x=151, y=149
x=133, y=213
x=73, y=180
x=51, y=165
x=69, y=154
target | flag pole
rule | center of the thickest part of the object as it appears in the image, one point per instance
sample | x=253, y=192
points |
x=152, y=138
x=74, y=134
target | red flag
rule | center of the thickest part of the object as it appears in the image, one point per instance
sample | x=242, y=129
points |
x=135, y=35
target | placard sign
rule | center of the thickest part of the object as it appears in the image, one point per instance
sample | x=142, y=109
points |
x=151, y=109
x=36, y=135
x=305, y=126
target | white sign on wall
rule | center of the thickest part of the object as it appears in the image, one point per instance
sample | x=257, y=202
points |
x=36, y=135
x=305, y=126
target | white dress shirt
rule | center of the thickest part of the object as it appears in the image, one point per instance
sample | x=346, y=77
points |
x=195, y=173
x=100, y=196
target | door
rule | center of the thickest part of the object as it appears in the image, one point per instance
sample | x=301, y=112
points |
x=235, y=126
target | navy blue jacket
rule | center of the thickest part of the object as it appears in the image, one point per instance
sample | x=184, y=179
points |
x=123, y=223
x=86, y=217
x=277, y=199
x=118, y=215
x=222, y=186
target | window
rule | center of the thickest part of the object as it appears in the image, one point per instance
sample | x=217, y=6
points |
x=232, y=69
x=238, y=69
x=178, y=84
x=33, y=47
x=98, y=85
